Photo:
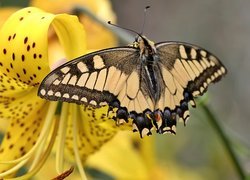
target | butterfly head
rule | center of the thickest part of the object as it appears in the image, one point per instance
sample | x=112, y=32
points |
x=148, y=53
x=147, y=47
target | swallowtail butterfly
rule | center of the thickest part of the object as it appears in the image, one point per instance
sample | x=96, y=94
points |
x=146, y=83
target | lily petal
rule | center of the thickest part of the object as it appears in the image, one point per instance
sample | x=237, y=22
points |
x=111, y=159
x=98, y=37
x=27, y=117
x=24, y=43
x=10, y=88
x=90, y=135
x=23, y=64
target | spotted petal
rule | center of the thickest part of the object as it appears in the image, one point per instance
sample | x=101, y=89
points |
x=27, y=116
x=111, y=159
x=24, y=43
x=97, y=36
x=91, y=135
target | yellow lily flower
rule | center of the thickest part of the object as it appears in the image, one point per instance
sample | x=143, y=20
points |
x=140, y=164
x=33, y=126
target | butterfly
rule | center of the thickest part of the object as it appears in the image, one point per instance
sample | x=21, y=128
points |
x=149, y=84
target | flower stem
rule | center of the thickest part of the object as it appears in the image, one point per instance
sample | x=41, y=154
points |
x=219, y=130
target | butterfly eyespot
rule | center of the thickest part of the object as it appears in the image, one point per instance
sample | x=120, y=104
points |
x=147, y=85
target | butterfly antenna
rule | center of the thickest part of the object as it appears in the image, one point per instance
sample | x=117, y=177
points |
x=144, y=18
x=130, y=30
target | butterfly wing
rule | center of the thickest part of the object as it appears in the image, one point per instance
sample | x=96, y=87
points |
x=112, y=77
x=94, y=79
x=186, y=70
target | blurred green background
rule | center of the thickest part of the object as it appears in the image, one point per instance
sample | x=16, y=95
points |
x=222, y=27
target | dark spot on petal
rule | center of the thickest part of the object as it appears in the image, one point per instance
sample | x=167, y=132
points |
x=31, y=78
x=43, y=17
x=40, y=56
x=1, y=64
x=13, y=56
x=9, y=38
x=7, y=70
x=18, y=75
x=23, y=153
x=39, y=68
x=33, y=44
x=21, y=18
x=11, y=146
x=28, y=47
x=25, y=40
x=4, y=51
x=34, y=75
x=24, y=71
x=11, y=65
x=34, y=56
x=8, y=135
x=23, y=57
x=14, y=35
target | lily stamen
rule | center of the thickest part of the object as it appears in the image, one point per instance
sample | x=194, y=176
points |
x=61, y=138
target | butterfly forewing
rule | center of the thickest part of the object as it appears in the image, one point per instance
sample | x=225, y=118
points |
x=94, y=79
x=193, y=67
